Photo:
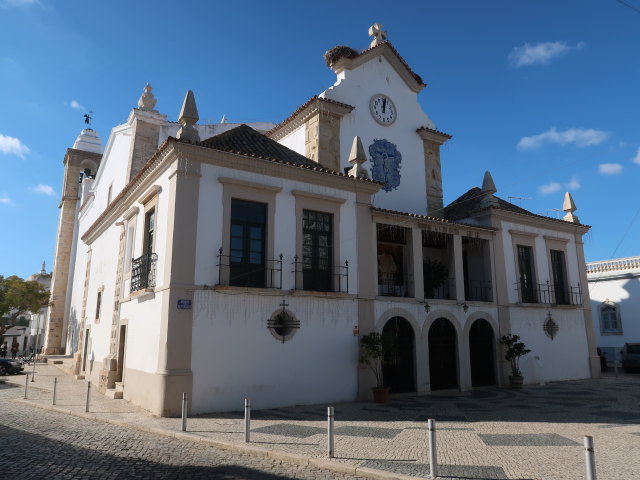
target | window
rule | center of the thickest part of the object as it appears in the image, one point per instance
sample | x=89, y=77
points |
x=610, y=319
x=98, y=304
x=317, y=231
x=559, y=277
x=525, y=270
x=149, y=231
x=247, y=243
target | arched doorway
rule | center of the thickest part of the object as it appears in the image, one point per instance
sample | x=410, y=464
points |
x=398, y=344
x=481, y=353
x=443, y=358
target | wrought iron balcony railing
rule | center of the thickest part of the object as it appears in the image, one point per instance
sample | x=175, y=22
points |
x=442, y=292
x=479, y=291
x=393, y=285
x=333, y=278
x=143, y=272
x=235, y=271
x=550, y=294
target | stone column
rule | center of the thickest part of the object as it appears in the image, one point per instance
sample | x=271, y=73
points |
x=432, y=140
x=458, y=267
x=418, y=278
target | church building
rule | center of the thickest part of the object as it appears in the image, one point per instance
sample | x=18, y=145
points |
x=234, y=261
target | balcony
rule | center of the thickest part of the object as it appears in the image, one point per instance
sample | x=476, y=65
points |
x=143, y=272
x=549, y=294
x=253, y=273
x=312, y=277
x=393, y=284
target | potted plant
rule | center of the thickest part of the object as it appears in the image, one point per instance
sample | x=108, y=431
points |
x=514, y=349
x=435, y=275
x=371, y=355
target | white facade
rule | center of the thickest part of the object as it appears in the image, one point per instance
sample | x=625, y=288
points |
x=614, y=287
x=164, y=296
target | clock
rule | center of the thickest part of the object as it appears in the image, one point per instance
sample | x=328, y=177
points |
x=383, y=109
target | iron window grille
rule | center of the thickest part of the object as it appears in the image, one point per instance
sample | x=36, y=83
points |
x=143, y=272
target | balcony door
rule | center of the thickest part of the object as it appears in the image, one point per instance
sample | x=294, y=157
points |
x=248, y=233
x=525, y=267
x=559, y=277
x=317, y=234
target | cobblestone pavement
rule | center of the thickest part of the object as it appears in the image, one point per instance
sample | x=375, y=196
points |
x=42, y=444
x=492, y=433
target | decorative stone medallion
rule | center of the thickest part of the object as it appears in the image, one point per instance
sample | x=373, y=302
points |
x=385, y=160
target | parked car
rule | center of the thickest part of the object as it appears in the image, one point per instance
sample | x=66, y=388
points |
x=631, y=356
x=10, y=367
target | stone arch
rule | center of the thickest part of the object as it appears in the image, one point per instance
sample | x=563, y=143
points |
x=420, y=372
x=399, y=346
x=443, y=340
x=465, y=346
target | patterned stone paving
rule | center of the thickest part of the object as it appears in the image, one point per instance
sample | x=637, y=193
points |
x=488, y=433
x=527, y=440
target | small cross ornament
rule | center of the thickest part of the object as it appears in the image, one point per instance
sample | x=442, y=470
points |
x=378, y=34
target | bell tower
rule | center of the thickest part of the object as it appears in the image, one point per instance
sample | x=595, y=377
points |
x=85, y=157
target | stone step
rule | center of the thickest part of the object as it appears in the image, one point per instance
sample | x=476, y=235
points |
x=113, y=393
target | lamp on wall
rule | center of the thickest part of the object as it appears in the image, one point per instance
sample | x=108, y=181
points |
x=427, y=307
x=464, y=306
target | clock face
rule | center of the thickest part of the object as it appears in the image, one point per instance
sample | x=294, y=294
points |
x=383, y=109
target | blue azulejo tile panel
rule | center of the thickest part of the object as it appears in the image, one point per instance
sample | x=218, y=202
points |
x=289, y=430
x=527, y=440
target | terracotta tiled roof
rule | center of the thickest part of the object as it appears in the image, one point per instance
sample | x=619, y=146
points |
x=469, y=203
x=431, y=130
x=247, y=141
x=426, y=217
x=302, y=107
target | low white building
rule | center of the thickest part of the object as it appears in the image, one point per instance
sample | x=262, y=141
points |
x=232, y=261
x=614, y=288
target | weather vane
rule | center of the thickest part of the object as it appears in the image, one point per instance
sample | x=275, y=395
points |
x=87, y=118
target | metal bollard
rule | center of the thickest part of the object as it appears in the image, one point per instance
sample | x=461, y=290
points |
x=33, y=374
x=433, y=460
x=184, y=411
x=330, y=450
x=55, y=388
x=247, y=420
x=615, y=367
x=26, y=386
x=86, y=407
x=590, y=458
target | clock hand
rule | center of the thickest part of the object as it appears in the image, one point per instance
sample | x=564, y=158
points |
x=384, y=104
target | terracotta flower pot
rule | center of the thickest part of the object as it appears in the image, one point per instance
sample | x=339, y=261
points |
x=380, y=395
x=516, y=381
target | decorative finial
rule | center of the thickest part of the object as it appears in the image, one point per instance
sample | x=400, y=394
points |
x=488, y=189
x=379, y=35
x=188, y=118
x=87, y=118
x=147, y=101
x=43, y=270
x=569, y=206
x=356, y=158
x=224, y=119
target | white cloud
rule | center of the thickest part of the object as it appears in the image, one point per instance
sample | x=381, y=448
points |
x=573, y=184
x=76, y=105
x=636, y=159
x=609, y=168
x=13, y=146
x=5, y=199
x=540, y=53
x=580, y=137
x=549, y=188
x=18, y=3
x=45, y=189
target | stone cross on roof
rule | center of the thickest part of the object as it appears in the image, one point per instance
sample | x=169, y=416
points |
x=378, y=34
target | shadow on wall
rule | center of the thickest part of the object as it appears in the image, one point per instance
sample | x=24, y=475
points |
x=627, y=308
x=73, y=332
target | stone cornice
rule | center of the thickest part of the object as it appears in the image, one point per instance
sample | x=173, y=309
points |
x=428, y=223
x=253, y=185
x=317, y=196
x=150, y=117
x=430, y=135
x=306, y=111
x=532, y=220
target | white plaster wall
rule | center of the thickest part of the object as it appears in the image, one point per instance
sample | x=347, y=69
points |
x=234, y=356
x=210, y=213
x=622, y=289
x=143, y=315
x=295, y=140
x=565, y=357
x=356, y=87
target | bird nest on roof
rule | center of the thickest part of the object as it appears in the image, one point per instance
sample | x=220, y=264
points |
x=336, y=53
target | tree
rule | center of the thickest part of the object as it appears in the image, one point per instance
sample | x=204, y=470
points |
x=18, y=297
x=514, y=349
x=371, y=355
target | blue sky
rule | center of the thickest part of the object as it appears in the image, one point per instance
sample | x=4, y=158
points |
x=544, y=94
